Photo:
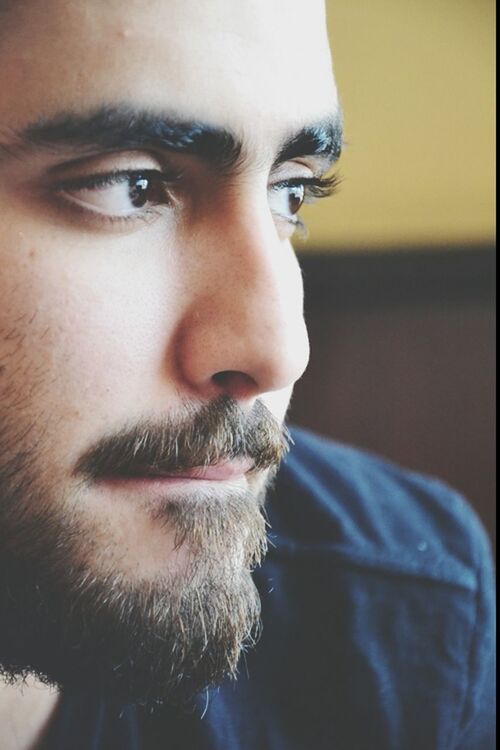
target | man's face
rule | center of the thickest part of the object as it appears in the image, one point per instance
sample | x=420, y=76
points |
x=152, y=160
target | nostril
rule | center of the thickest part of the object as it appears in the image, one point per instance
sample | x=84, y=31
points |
x=234, y=383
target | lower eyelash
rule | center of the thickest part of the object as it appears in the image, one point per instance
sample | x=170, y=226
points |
x=94, y=218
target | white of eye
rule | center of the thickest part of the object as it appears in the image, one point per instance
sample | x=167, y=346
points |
x=119, y=195
x=106, y=199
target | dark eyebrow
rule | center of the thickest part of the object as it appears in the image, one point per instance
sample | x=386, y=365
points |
x=121, y=128
x=324, y=140
x=124, y=129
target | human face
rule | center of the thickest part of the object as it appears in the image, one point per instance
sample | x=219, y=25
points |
x=147, y=272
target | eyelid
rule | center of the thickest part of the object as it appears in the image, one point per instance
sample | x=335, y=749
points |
x=114, y=177
x=100, y=180
x=110, y=161
x=316, y=187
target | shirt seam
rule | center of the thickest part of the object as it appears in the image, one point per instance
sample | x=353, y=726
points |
x=376, y=565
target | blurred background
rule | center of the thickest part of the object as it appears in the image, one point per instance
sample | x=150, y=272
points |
x=399, y=266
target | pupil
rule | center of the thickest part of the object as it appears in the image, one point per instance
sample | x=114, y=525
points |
x=139, y=191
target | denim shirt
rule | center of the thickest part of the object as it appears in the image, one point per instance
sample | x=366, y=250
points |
x=378, y=626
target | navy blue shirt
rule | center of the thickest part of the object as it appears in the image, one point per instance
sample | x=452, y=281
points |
x=377, y=597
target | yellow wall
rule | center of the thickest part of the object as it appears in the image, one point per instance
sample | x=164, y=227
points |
x=416, y=80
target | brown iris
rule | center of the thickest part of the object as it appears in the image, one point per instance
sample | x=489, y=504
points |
x=146, y=189
x=296, y=198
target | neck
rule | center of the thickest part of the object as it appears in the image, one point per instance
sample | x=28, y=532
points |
x=26, y=709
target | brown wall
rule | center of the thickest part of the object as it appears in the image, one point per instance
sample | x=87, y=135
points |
x=402, y=361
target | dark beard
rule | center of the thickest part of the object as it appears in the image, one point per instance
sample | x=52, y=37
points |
x=163, y=639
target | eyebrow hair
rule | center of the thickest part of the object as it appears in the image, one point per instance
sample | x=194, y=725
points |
x=324, y=139
x=122, y=128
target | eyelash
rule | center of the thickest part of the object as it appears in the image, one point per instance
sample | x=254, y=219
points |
x=315, y=188
x=106, y=179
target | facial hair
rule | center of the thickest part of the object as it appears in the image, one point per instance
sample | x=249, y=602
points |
x=75, y=624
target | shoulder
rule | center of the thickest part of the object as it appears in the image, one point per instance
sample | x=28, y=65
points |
x=369, y=510
x=390, y=573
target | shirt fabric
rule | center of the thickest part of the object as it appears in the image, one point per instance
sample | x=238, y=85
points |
x=378, y=626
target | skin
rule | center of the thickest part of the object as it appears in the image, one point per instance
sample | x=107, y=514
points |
x=103, y=325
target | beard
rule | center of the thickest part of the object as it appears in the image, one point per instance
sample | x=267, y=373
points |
x=76, y=621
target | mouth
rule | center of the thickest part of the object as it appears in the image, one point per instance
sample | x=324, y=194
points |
x=230, y=471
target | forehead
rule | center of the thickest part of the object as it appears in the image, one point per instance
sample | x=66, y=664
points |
x=255, y=66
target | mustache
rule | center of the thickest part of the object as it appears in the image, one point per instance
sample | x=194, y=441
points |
x=201, y=436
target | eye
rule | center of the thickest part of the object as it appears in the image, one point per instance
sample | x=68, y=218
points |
x=122, y=194
x=286, y=198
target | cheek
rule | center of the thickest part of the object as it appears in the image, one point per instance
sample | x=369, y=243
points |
x=78, y=341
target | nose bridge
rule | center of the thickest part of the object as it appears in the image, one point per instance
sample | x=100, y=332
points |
x=245, y=315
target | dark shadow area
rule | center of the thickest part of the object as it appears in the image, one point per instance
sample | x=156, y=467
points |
x=403, y=361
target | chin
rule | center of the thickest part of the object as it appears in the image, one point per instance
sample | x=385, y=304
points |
x=152, y=608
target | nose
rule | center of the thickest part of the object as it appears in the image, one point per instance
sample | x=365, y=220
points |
x=243, y=332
